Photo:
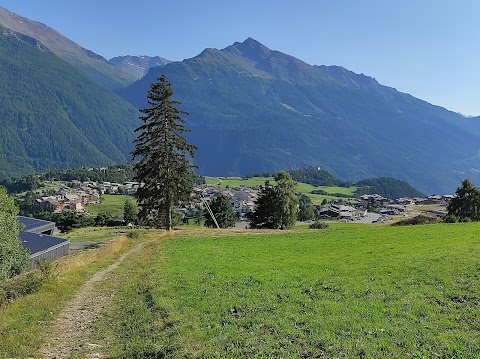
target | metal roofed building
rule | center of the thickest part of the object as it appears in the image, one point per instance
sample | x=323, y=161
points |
x=37, y=238
x=39, y=226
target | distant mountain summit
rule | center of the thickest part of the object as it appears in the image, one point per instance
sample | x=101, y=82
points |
x=258, y=60
x=108, y=75
x=255, y=110
x=138, y=66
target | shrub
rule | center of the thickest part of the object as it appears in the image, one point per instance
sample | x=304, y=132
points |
x=420, y=219
x=318, y=225
x=450, y=219
x=134, y=235
x=47, y=269
x=20, y=286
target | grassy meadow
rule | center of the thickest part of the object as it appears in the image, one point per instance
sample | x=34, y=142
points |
x=361, y=291
x=305, y=188
x=111, y=203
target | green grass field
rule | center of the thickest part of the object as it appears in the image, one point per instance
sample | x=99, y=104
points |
x=111, y=203
x=232, y=182
x=362, y=291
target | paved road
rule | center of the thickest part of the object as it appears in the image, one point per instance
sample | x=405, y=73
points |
x=369, y=218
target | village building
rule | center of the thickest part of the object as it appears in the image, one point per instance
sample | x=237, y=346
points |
x=374, y=200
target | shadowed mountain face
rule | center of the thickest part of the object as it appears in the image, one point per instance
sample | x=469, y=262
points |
x=95, y=66
x=138, y=66
x=257, y=110
x=54, y=116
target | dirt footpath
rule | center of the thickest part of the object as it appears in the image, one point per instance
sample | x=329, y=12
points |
x=72, y=329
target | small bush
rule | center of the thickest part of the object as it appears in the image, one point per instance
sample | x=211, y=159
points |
x=420, y=219
x=318, y=225
x=47, y=269
x=20, y=286
x=134, y=235
x=450, y=219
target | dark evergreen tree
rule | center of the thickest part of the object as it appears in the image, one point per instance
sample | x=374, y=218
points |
x=67, y=221
x=223, y=211
x=198, y=217
x=103, y=219
x=276, y=207
x=466, y=205
x=164, y=167
x=265, y=213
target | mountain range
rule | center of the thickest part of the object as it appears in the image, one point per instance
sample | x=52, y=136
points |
x=252, y=110
x=54, y=114
x=138, y=66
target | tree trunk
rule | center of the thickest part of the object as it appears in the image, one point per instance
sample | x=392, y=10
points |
x=168, y=225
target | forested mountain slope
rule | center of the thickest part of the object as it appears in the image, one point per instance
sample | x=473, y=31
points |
x=256, y=110
x=97, y=67
x=52, y=115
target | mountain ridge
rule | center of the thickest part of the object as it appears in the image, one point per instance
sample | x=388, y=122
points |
x=52, y=115
x=138, y=66
x=266, y=111
x=97, y=67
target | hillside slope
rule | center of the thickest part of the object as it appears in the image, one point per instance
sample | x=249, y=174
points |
x=52, y=115
x=97, y=67
x=257, y=110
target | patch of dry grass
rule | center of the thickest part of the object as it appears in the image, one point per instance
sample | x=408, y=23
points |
x=22, y=322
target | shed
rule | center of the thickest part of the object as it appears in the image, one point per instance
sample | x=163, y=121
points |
x=37, y=238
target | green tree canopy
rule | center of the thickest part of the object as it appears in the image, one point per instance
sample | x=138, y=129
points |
x=264, y=214
x=306, y=209
x=164, y=166
x=466, y=204
x=13, y=257
x=287, y=202
x=67, y=221
x=223, y=212
x=276, y=206
x=130, y=211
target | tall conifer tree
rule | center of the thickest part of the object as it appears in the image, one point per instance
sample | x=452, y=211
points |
x=164, y=167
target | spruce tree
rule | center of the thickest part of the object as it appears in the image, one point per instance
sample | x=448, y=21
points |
x=306, y=209
x=164, y=167
x=130, y=211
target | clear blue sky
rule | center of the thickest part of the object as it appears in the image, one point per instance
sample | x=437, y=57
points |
x=428, y=48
